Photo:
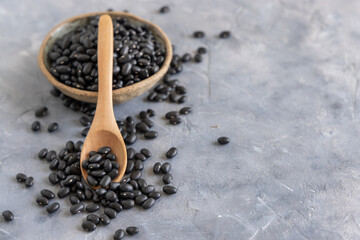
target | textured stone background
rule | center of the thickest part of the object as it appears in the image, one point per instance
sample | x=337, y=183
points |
x=284, y=88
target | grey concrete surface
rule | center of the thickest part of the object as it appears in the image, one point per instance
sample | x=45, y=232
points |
x=284, y=88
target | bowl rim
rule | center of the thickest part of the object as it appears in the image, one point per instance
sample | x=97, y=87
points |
x=92, y=94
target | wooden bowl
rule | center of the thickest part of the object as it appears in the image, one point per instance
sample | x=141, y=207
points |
x=119, y=95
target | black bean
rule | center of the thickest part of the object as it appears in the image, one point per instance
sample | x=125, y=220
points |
x=88, y=226
x=182, y=99
x=186, y=57
x=169, y=190
x=131, y=139
x=119, y=234
x=170, y=115
x=140, y=156
x=35, y=126
x=126, y=187
x=180, y=90
x=29, y=182
x=95, y=158
x=107, y=165
x=54, y=164
x=185, y=110
x=130, y=153
x=63, y=192
x=151, y=112
x=113, y=173
x=104, y=219
x=165, y=168
x=111, y=196
x=74, y=200
x=93, y=166
x=41, y=112
x=137, y=193
x=104, y=203
x=167, y=178
x=105, y=181
x=148, y=189
x=42, y=153
x=116, y=206
x=70, y=146
x=126, y=195
x=111, y=157
x=81, y=195
x=139, y=165
x=111, y=213
x=78, y=146
x=151, y=135
x=92, y=207
x=8, y=215
x=164, y=9
x=127, y=204
x=132, y=230
x=157, y=168
x=47, y=193
x=42, y=201
x=154, y=195
x=148, y=203
x=140, y=199
x=223, y=140
x=104, y=150
x=83, y=57
x=142, y=183
x=198, y=58
x=71, y=180
x=225, y=34
x=135, y=175
x=53, y=127
x=134, y=184
x=173, y=97
x=175, y=121
x=146, y=152
x=172, y=152
x=201, y=50
x=142, y=127
x=50, y=156
x=85, y=121
x=100, y=191
x=152, y=96
x=93, y=218
x=143, y=114
x=77, y=208
x=148, y=122
x=53, y=207
x=88, y=193
x=199, y=34
x=20, y=177
x=53, y=178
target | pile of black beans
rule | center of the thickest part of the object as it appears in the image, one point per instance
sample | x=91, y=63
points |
x=114, y=197
x=101, y=167
x=137, y=55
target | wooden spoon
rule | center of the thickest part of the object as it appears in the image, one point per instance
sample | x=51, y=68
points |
x=104, y=131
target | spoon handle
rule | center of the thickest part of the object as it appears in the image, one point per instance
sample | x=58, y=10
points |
x=104, y=108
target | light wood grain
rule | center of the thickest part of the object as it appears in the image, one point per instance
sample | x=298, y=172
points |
x=119, y=95
x=104, y=131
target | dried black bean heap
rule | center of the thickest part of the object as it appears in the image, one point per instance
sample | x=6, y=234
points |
x=137, y=55
x=101, y=167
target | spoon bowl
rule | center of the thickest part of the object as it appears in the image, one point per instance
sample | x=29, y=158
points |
x=119, y=95
x=103, y=138
x=104, y=131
